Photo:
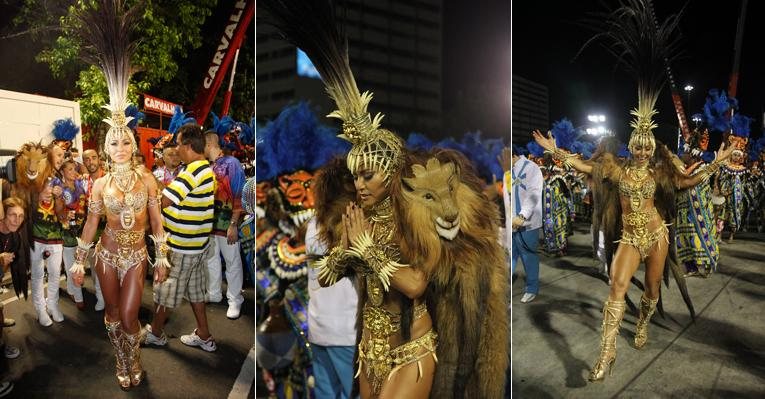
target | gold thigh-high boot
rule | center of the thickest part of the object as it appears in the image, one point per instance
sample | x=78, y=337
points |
x=647, y=307
x=132, y=349
x=613, y=311
x=114, y=331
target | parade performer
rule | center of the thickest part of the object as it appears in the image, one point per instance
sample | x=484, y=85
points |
x=697, y=246
x=420, y=227
x=644, y=186
x=284, y=157
x=733, y=175
x=125, y=194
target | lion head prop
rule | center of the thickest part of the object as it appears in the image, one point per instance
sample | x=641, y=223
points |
x=32, y=167
x=450, y=231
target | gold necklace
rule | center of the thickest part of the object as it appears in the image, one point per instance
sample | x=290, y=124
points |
x=124, y=176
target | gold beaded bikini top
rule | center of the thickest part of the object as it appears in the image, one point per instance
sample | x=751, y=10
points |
x=135, y=200
x=132, y=203
x=637, y=185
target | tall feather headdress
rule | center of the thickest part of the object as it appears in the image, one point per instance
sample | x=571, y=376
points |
x=633, y=35
x=312, y=27
x=108, y=42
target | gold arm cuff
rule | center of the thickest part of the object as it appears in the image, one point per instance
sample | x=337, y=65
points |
x=563, y=156
x=378, y=261
x=80, y=256
x=160, y=250
x=332, y=267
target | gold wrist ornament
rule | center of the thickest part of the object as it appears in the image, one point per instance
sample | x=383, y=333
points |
x=80, y=256
x=378, y=261
x=160, y=250
x=562, y=156
x=710, y=170
x=332, y=267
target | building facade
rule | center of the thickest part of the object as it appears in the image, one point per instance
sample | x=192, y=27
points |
x=395, y=50
x=530, y=108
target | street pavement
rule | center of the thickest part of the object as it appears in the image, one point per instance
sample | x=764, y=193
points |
x=556, y=337
x=74, y=359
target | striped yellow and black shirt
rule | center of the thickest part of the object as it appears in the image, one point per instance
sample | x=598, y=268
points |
x=189, y=219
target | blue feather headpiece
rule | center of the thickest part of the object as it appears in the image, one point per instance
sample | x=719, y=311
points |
x=717, y=110
x=740, y=125
x=179, y=119
x=295, y=140
x=518, y=150
x=623, y=151
x=564, y=133
x=64, y=131
x=535, y=149
x=132, y=111
x=226, y=129
x=418, y=141
x=247, y=132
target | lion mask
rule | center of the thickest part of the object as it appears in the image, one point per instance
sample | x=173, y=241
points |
x=433, y=187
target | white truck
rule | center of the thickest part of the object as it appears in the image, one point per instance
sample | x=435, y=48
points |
x=29, y=117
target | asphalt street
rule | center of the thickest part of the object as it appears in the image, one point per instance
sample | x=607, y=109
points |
x=720, y=355
x=74, y=359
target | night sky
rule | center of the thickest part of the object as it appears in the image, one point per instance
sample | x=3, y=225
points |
x=548, y=34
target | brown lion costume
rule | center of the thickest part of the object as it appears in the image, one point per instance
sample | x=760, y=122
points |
x=468, y=276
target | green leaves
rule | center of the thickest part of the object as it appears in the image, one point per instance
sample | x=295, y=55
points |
x=167, y=30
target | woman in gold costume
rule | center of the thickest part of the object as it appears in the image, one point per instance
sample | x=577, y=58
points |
x=127, y=195
x=637, y=195
x=645, y=236
x=396, y=354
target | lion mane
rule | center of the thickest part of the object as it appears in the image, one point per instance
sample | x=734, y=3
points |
x=28, y=154
x=468, y=281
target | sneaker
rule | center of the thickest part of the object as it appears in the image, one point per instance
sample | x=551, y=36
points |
x=528, y=297
x=43, y=318
x=100, y=305
x=55, y=312
x=8, y=322
x=152, y=339
x=194, y=340
x=234, y=310
x=11, y=352
x=5, y=388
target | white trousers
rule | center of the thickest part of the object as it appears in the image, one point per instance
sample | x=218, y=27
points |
x=39, y=265
x=234, y=273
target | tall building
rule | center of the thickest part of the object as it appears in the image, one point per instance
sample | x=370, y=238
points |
x=395, y=52
x=530, y=109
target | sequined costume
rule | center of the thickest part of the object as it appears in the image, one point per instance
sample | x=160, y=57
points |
x=556, y=215
x=731, y=183
x=696, y=241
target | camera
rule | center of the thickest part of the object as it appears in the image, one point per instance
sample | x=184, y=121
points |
x=8, y=172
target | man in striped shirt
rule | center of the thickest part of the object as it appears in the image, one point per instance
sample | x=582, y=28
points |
x=187, y=207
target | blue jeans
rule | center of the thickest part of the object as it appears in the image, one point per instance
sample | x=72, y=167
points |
x=525, y=246
x=333, y=371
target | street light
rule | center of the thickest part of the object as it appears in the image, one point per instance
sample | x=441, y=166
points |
x=688, y=88
x=596, y=118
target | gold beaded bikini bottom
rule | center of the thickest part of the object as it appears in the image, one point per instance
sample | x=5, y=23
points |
x=382, y=361
x=640, y=237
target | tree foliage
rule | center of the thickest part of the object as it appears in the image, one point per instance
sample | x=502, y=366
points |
x=168, y=31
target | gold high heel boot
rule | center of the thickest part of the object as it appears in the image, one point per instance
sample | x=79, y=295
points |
x=132, y=349
x=613, y=312
x=647, y=307
x=114, y=331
